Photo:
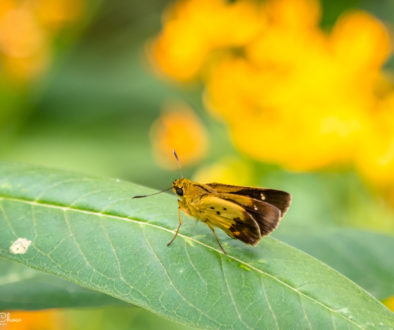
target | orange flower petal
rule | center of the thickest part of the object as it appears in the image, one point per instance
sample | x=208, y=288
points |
x=180, y=129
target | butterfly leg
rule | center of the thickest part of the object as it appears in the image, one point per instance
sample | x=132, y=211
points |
x=217, y=239
x=179, y=226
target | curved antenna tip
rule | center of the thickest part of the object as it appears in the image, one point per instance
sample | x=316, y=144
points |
x=179, y=163
x=175, y=154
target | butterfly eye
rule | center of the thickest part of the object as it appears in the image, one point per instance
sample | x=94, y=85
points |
x=179, y=191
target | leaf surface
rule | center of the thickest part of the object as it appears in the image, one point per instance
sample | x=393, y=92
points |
x=364, y=257
x=89, y=231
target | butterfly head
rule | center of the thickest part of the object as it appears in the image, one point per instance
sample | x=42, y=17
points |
x=179, y=187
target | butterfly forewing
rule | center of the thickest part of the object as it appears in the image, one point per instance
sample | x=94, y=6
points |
x=278, y=198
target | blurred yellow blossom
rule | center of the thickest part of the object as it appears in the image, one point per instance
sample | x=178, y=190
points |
x=293, y=14
x=229, y=170
x=22, y=69
x=360, y=42
x=26, y=33
x=178, y=128
x=296, y=103
x=375, y=157
x=195, y=28
x=21, y=35
x=291, y=94
x=389, y=302
x=50, y=319
x=57, y=13
x=23, y=43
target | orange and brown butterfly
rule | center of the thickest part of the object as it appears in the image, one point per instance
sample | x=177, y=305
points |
x=244, y=213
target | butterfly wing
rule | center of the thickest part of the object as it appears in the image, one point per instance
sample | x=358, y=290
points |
x=280, y=199
x=266, y=215
x=230, y=217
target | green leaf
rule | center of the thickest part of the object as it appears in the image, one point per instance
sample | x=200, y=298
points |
x=364, y=257
x=22, y=287
x=89, y=231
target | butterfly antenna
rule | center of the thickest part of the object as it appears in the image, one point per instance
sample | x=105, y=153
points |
x=178, y=162
x=158, y=192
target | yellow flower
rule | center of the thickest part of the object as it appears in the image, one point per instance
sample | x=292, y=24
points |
x=296, y=129
x=26, y=32
x=23, y=43
x=195, y=28
x=227, y=170
x=360, y=42
x=20, y=33
x=180, y=129
x=295, y=100
x=22, y=69
x=375, y=157
x=50, y=319
x=291, y=94
x=55, y=14
x=389, y=302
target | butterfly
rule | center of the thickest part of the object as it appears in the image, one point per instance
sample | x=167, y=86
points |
x=243, y=213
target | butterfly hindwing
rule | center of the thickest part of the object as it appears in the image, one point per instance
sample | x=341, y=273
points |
x=230, y=217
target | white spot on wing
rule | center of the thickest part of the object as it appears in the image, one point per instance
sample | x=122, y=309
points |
x=255, y=208
x=20, y=246
x=262, y=196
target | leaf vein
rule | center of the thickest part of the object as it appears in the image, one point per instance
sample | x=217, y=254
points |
x=143, y=223
x=231, y=295
x=171, y=282
x=269, y=304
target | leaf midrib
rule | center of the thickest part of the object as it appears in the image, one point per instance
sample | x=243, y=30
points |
x=65, y=208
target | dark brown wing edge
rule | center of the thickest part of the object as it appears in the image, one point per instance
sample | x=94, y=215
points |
x=265, y=215
x=248, y=230
x=278, y=198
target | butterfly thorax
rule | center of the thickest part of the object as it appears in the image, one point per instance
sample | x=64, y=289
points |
x=189, y=193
